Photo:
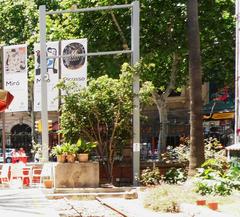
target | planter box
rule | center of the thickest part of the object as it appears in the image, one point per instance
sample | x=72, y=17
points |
x=77, y=175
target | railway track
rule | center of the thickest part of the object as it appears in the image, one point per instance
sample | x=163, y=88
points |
x=91, y=208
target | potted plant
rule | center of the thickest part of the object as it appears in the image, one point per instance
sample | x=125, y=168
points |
x=48, y=183
x=58, y=151
x=83, y=149
x=70, y=151
x=213, y=205
x=201, y=202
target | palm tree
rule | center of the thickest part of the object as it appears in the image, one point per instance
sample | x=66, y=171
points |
x=195, y=75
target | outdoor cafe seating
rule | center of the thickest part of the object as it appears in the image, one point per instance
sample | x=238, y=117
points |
x=16, y=174
x=19, y=156
x=19, y=174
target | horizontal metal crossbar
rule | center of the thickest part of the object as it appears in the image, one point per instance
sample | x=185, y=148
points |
x=92, y=54
x=101, y=8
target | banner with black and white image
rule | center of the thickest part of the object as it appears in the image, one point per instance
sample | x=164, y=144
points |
x=15, y=76
x=74, y=68
x=53, y=76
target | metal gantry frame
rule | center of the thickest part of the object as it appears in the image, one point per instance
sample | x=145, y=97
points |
x=135, y=53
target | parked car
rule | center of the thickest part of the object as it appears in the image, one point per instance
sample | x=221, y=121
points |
x=8, y=154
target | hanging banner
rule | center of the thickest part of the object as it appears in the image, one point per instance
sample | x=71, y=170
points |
x=74, y=68
x=15, y=76
x=52, y=76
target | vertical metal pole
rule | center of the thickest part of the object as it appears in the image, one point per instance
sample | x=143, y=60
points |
x=136, y=104
x=3, y=113
x=237, y=74
x=43, y=67
x=4, y=137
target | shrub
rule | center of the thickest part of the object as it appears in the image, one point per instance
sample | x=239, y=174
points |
x=150, y=176
x=166, y=198
x=219, y=186
x=214, y=178
x=213, y=149
x=175, y=176
x=233, y=173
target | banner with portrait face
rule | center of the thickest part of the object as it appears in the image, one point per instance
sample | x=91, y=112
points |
x=15, y=76
x=53, y=76
x=74, y=68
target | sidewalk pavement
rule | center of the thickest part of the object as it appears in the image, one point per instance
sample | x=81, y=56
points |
x=25, y=202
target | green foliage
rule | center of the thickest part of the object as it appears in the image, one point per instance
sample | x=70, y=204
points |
x=214, y=149
x=175, y=176
x=181, y=153
x=178, y=154
x=85, y=147
x=18, y=21
x=101, y=112
x=19, y=24
x=57, y=150
x=68, y=148
x=211, y=178
x=219, y=186
x=104, y=106
x=217, y=178
x=150, y=176
x=233, y=173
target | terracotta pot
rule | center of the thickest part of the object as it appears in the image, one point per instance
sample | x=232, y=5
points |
x=61, y=158
x=48, y=183
x=83, y=157
x=201, y=202
x=213, y=205
x=71, y=158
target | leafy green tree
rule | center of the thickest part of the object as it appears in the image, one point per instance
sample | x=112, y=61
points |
x=101, y=112
x=163, y=38
x=163, y=33
x=217, y=36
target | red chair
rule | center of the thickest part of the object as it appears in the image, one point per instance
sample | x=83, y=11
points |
x=23, y=159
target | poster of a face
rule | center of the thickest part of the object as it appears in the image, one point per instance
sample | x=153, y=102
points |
x=74, y=68
x=53, y=76
x=15, y=76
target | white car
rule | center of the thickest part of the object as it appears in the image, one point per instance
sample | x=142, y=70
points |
x=8, y=154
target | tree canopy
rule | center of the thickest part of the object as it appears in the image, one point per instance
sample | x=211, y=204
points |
x=163, y=31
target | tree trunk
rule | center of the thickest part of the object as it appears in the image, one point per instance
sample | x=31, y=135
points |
x=195, y=75
x=163, y=127
x=160, y=101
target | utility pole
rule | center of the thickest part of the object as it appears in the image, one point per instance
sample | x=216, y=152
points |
x=43, y=69
x=136, y=103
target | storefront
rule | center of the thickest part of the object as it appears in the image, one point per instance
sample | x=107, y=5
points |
x=218, y=118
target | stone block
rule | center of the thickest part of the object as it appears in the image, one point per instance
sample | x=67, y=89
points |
x=77, y=175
